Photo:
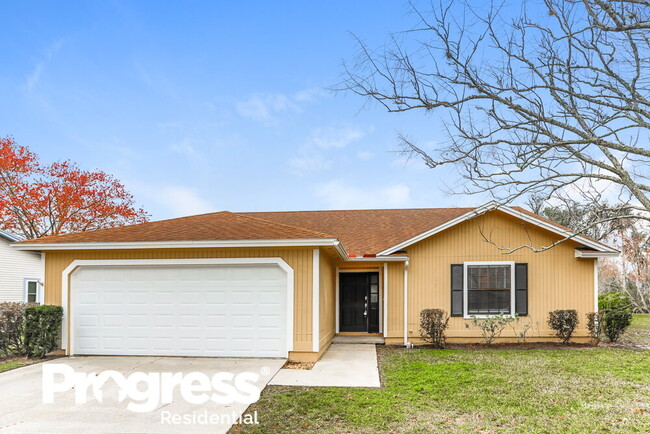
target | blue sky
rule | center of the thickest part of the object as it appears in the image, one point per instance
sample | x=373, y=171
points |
x=206, y=106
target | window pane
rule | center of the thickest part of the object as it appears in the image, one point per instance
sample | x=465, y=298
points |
x=488, y=277
x=488, y=302
x=488, y=289
x=32, y=291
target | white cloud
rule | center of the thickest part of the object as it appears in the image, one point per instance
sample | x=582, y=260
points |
x=335, y=136
x=34, y=78
x=365, y=155
x=339, y=195
x=266, y=108
x=309, y=163
x=182, y=201
x=184, y=147
x=308, y=95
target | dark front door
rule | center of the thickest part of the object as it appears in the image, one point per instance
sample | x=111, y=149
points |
x=359, y=302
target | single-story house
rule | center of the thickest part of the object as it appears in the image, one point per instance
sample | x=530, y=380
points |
x=21, y=272
x=284, y=284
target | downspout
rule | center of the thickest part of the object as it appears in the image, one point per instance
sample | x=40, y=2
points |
x=406, y=305
x=596, y=266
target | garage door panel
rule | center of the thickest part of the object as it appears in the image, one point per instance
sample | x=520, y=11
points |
x=229, y=311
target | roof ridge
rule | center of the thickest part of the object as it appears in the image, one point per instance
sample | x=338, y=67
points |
x=284, y=224
x=348, y=210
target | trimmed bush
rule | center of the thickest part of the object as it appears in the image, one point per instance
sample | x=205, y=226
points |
x=615, y=322
x=12, y=328
x=595, y=325
x=433, y=323
x=616, y=314
x=42, y=329
x=564, y=322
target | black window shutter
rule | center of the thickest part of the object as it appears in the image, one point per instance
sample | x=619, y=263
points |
x=456, y=289
x=521, y=289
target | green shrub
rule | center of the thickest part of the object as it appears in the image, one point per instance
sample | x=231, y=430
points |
x=616, y=314
x=12, y=328
x=564, y=322
x=614, y=300
x=492, y=326
x=615, y=322
x=42, y=329
x=433, y=323
x=595, y=325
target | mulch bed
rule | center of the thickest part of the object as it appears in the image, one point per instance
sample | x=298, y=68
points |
x=297, y=365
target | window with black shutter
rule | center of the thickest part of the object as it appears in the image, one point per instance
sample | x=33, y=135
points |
x=457, y=289
x=489, y=289
x=521, y=289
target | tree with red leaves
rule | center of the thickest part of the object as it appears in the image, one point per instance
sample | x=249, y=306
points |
x=37, y=200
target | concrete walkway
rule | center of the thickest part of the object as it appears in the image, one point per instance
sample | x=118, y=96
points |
x=22, y=409
x=342, y=365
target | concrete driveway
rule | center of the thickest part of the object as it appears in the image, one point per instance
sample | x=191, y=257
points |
x=22, y=408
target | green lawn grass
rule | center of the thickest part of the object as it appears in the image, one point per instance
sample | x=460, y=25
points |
x=579, y=390
x=13, y=364
x=639, y=331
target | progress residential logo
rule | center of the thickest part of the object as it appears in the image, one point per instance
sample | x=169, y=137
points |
x=145, y=391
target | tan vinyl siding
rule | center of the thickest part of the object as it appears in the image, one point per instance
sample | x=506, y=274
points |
x=395, y=300
x=300, y=259
x=327, y=306
x=15, y=267
x=556, y=279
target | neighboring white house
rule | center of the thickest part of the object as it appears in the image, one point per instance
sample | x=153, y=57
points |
x=21, y=272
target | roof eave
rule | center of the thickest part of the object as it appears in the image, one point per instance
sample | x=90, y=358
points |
x=301, y=242
x=592, y=254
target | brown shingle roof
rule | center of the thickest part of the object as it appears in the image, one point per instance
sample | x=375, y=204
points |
x=367, y=231
x=223, y=225
x=360, y=231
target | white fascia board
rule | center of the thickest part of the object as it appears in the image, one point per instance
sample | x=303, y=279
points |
x=304, y=242
x=582, y=254
x=379, y=259
x=9, y=237
x=513, y=212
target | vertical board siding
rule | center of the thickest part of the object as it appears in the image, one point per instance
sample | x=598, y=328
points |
x=396, y=299
x=300, y=259
x=556, y=279
x=327, y=298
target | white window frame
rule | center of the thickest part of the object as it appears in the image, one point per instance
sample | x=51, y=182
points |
x=512, y=286
x=39, y=289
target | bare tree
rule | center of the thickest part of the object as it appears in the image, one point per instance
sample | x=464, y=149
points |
x=597, y=220
x=551, y=100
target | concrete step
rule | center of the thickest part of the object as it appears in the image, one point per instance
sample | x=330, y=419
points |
x=344, y=339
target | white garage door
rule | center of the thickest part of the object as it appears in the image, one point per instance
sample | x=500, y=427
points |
x=186, y=310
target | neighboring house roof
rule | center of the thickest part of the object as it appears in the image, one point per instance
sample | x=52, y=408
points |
x=361, y=232
x=8, y=236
